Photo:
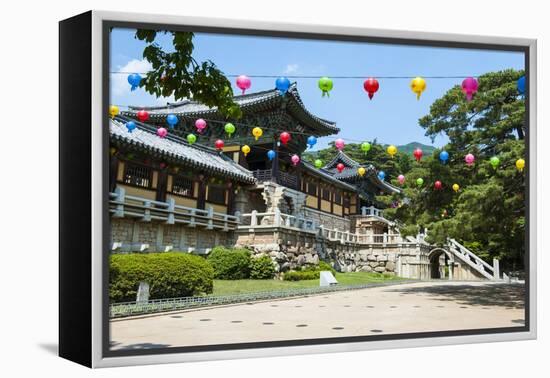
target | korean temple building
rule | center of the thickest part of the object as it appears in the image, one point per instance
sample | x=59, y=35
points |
x=169, y=195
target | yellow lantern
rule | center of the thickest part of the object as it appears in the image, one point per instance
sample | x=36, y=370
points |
x=112, y=150
x=456, y=187
x=245, y=149
x=418, y=85
x=113, y=110
x=361, y=171
x=392, y=150
x=257, y=132
x=520, y=164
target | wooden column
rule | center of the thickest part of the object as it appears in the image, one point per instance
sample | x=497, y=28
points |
x=275, y=163
x=230, y=198
x=332, y=193
x=113, y=173
x=201, y=195
x=319, y=194
x=162, y=185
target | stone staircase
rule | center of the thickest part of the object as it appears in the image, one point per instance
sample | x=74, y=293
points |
x=475, y=262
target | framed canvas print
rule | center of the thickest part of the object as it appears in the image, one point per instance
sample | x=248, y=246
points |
x=233, y=189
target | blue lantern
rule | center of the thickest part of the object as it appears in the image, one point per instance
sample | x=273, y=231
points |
x=444, y=156
x=271, y=154
x=381, y=175
x=282, y=84
x=130, y=126
x=311, y=141
x=172, y=120
x=521, y=85
x=134, y=80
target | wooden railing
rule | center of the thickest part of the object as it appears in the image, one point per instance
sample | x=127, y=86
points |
x=122, y=205
x=283, y=178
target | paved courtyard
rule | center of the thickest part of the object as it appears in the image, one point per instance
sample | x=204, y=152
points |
x=405, y=308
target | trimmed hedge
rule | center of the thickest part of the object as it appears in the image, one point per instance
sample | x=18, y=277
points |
x=262, y=268
x=169, y=275
x=309, y=273
x=230, y=264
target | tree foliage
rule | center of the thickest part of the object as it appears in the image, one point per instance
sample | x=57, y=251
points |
x=177, y=73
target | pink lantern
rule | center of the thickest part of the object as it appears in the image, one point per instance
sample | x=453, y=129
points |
x=401, y=179
x=469, y=159
x=243, y=82
x=339, y=143
x=469, y=87
x=200, y=124
x=162, y=132
x=295, y=159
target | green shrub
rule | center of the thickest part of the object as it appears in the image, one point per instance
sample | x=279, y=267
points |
x=262, y=268
x=230, y=264
x=169, y=275
x=311, y=272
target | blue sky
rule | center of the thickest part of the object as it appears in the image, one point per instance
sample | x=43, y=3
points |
x=391, y=117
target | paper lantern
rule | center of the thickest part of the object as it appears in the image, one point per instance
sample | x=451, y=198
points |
x=417, y=154
x=443, y=156
x=295, y=159
x=438, y=185
x=243, y=82
x=172, y=120
x=271, y=155
x=340, y=167
x=311, y=141
x=219, y=144
x=418, y=85
x=257, y=132
x=401, y=179
x=245, y=149
x=284, y=137
x=339, y=144
x=371, y=86
x=391, y=150
x=469, y=87
x=191, y=138
x=325, y=85
x=520, y=164
x=381, y=175
x=282, y=84
x=365, y=147
x=143, y=115
x=131, y=126
x=200, y=125
x=134, y=80
x=318, y=163
x=456, y=187
x=113, y=111
x=361, y=171
x=469, y=159
x=229, y=129
x=162, y=132
x=419, y=181
x=495, y=162
x=521, y=85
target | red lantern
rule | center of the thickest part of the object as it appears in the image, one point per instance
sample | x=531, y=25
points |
x=438, y=185
x=143, y=115
x=219, y=144
x=417, y=154
x=284, y=137
x=371, y=85
x=340, y=167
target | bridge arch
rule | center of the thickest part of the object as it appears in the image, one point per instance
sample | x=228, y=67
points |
x=439, y=270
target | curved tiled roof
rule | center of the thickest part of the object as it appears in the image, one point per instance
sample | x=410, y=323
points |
x=271, y=98
x=176, y=149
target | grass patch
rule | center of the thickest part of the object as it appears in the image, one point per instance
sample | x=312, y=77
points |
x=225, y=287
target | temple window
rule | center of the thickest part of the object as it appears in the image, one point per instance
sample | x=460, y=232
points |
x=338, y=197
x=216, y=194
x=326, y=194
x=182, y=186
x=137, y=175
x=311, y=189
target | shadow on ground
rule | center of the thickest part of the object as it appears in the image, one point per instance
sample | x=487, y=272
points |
x=50, y=348
x=503, y=295
x=140, y=346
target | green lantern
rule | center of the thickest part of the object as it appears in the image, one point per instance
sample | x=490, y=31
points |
x=191, y=138
x=419, y=181
x=365, y=147
x=495, y=162
x=325, y=85
x=229, y=129
x=318, y=163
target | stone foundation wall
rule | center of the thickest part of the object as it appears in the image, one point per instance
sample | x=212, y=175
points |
x=332, y=222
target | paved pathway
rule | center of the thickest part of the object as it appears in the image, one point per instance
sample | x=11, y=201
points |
x=413, y=307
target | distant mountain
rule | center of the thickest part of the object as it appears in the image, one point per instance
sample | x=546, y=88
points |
x=410, y=147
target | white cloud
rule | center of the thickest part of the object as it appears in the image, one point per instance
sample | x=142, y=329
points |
x=291, y=68
x=119, y=81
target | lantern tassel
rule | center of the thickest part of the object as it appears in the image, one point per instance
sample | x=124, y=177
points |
x=418, y=96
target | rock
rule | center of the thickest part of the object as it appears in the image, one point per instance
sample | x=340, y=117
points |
x=373, y=264
x=382, y=258
x=301, y=260
x=366, y=268
x=390, y=266
x=380, y=269
x=392, y=257
x=284, y=267
x=371, y=258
